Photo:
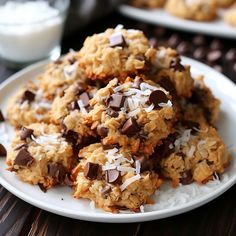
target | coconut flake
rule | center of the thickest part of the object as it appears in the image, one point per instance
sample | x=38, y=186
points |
x=81, y=107
x=137, y=167
x=126, y=169
x=168, y=104
x=150, y=108
x=92, y=205
x=119, y=88
x=134, y=112
x=141, y=209
x=118, y=28
x=191, y=151
x=129, y=181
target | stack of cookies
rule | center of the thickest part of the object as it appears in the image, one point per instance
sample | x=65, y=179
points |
x=114, y=121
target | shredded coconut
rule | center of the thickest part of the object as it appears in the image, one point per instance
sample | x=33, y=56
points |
x=137, y=167
x=81, y=107
x=142, y=209
x=191, y=151
x=129, y=181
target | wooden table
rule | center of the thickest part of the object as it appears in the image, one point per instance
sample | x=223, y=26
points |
x=19, y=218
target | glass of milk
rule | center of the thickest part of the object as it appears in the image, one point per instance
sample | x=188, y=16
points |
x=31, y=30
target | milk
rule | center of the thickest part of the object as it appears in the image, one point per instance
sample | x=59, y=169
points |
x=29, y=31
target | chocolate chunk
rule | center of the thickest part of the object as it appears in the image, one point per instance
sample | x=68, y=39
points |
x=214, y=56
x=84, y=97
x=20, y=146
x=167, y=84
x=102, y=131
x=116, y=101
x=130, y=127
x=137, y=82
x=68, y=181
x=156, y=97
x=112, y=176
x=74, y=106
x=80, y=88
x=140, y=57
x=1, y=117
x=176, y=65
x=173, y=40
x=145, y=163
x=116, y=40
x=91, y=170
x=57, y=171
x=70, y=136
x=218, y=68
x=25, y=133
x=199, y=40
x=159, y=31
x=105, y=191
x=112, y=113
x=216, y=45
x=190, y=125
x=28, y=96
x=186, y=178
x=72, y=60
x=42, y=188
x=231, y=55
x=23, y=158
x=200, y=53
x=3, y=151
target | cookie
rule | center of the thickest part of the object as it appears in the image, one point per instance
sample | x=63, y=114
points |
x=114, y=53
x=166, y=64
x=136, y=114
x=148, y=3
x=58, y=75
x=40, y=155
x=230, y=16
x=198, y=154
x=113, y=179
x=69, y=112
x=198, y=10
x=28, y=106
x=224, y=3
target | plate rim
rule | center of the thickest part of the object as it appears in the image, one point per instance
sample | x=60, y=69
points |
x=119, y=218
x=190, y=26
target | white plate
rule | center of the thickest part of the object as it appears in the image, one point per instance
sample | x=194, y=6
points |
x=169, y=201
x=158, y=16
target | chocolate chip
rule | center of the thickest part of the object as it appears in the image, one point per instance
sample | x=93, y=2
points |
x=190, y=125
x=91, y=170
x=216, y=45
x=28, y=96
x=42, y=188
x=112, y=176
x=102, y=131
x=200, y=53
x=167, y=84
x=156, y=97
x=25, y=133
x=20, y=146
x=57, y=171
x=3, y=151
x=84, y=97
x=137, y=82
x=1, y=117
x=199, y=40
x=116, y=40
x=70, y=136
x=231, y=55
x=68, y=181
x=183, y=48
x=23, y=158
x=80, y=88
x=112, y=113
x=116, y=101
x=130, y=127
x=214, y=56
x=105, y=191
x=176, y=65
x=74, y=106
x=186, y=177
x=173, y=40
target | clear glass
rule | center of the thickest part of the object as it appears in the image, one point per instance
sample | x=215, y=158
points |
x=28, y=41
